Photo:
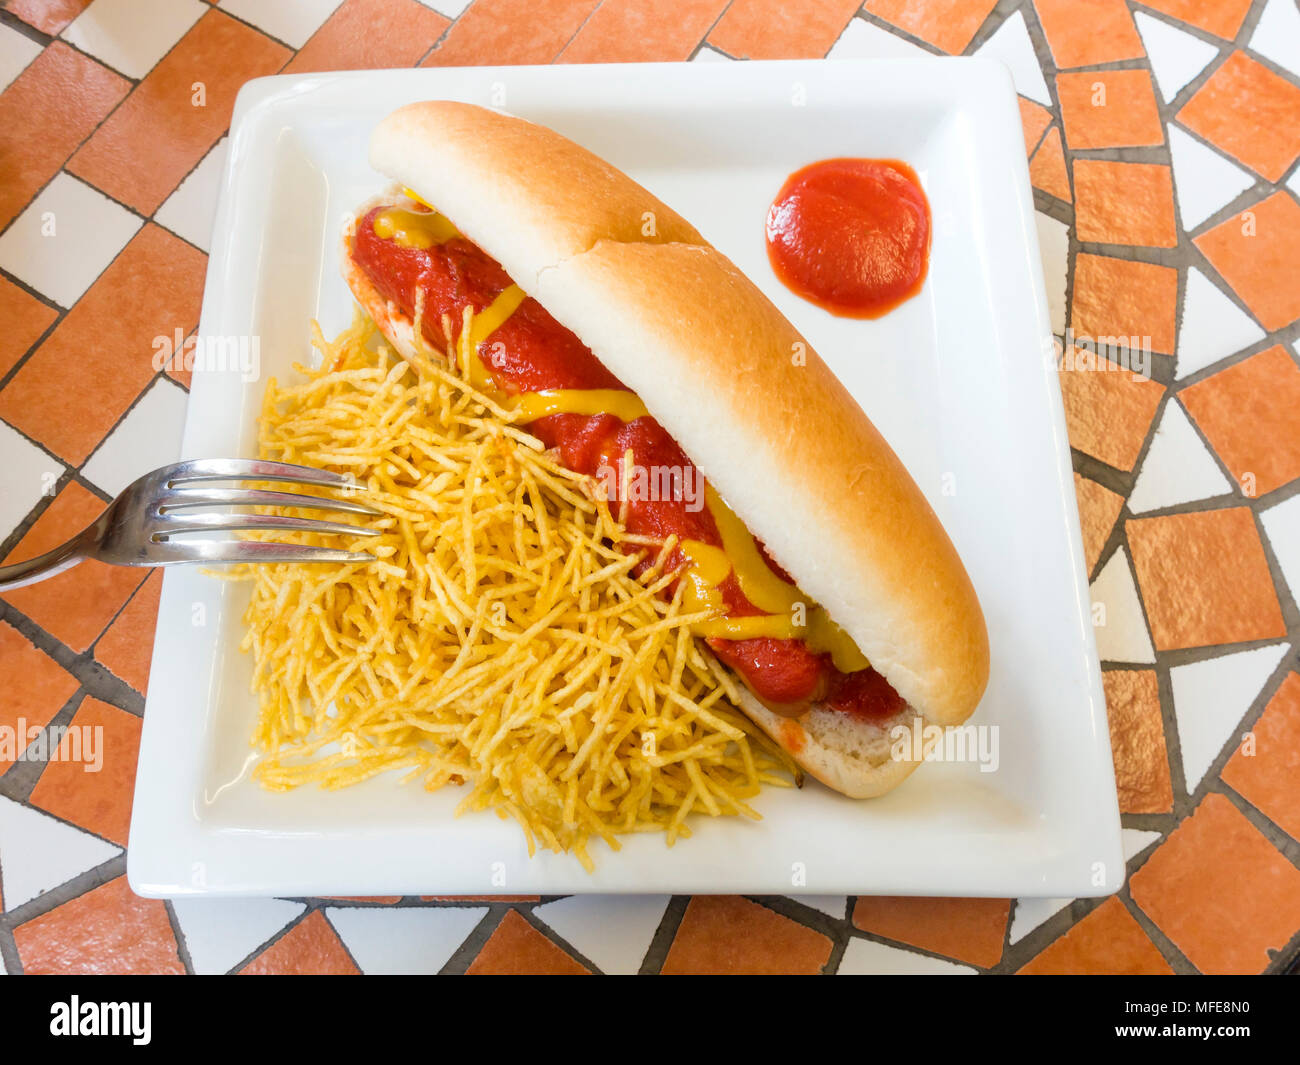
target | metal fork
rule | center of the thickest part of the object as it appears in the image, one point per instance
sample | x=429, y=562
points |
x=138, y=527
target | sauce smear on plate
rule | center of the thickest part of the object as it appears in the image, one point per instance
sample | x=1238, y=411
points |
x=851, y=235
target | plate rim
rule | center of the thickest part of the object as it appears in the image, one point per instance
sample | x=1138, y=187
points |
x=258, y=100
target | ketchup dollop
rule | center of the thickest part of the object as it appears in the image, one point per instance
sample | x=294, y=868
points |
x=851, y=235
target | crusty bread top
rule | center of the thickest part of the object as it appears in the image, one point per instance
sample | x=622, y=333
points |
x=541, y=196
x=724, y=372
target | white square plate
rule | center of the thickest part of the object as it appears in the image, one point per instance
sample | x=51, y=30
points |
x=956, y=378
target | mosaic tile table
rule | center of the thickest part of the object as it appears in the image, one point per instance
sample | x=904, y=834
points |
x=1162, y=140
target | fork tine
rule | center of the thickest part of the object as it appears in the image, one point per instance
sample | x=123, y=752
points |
x=254, y=469
x=179, y=498
x=212, y=551
x=248, y=522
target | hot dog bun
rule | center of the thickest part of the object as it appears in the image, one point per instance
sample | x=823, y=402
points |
x=730, y=378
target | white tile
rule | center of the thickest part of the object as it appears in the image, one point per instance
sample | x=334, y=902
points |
x=132, y=35
x=1277, y=36
x=26, y=474
x=1204, y=180
x=1176, y=57
x=833, y=905
x=405, y=941
x=1212, y=326
x=865, y=40
x=1124, y=636
x=1054, y=250
x=1135, y=841
x=148, y=437
x=189, y=211
x=220, y=933
x=38, y=853
x=1177, y=467
x=1011, y=44
x=65, y=239
x=1210, y=699
x=710, y=55
x=452, y=9
x=614, y=931
x=1282, y=527
x=16, y=51
x=291, y=21
x=865, y=957
x=1031, y=913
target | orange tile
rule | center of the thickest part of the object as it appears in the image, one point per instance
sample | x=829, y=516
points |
x=127, y=647
x=1108, y=941
x=386, y=900
x=773, y=29
x=104, y=345
x=48, y=16
x=1220, y=891
x=1204, y=578
x=36, y=138
x=1109, y=109
x=45, y=687
x=75, y=606
x=1123, y=298
x=1266, y=776
x=1047, y=169
x=1034, y=118
x=946, y=24
x=108, y=930
x=637, y=31
x=1249, y=112
x=730, y=936
x=1124, y=203
x=1223, y=18
x=480, y=898
x=1083, y=33
x=1255, y=254
x=1098, y=509
x=25, y=319
x=1250, y=413
x=370, y=34
x=509, y=32
x=1108, y=412
x=970, y=930
x=161, y=123
x=309, y=948
x=516, y=948
x=99, y=800
x=1137, y=741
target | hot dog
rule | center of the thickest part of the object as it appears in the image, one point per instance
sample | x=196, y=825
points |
x=644, y=358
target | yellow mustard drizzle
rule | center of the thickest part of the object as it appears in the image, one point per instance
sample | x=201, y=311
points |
x=413, y=229
x=709, y=565
x=625, y=406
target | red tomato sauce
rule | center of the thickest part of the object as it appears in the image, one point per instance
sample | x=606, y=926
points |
x=531, y=351
x=851, y=235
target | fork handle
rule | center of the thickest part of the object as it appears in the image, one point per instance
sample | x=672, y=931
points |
x=42, y=566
